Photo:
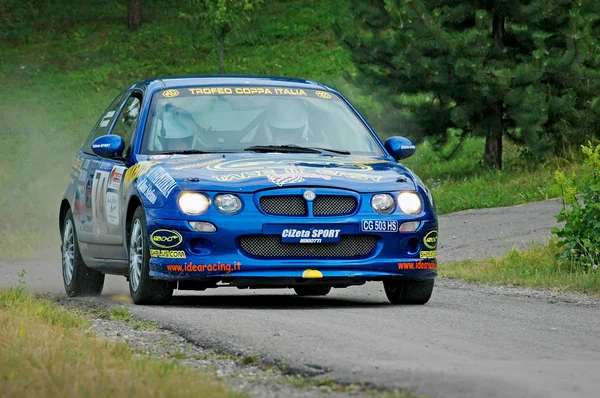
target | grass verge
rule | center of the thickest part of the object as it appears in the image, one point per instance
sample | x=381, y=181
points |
x=461, y=183
x=45, y=351
x=536, y=268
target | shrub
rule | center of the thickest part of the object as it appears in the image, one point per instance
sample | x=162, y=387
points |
x=579, y=239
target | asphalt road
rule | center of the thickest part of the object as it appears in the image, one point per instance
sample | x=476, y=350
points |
x=465, y=342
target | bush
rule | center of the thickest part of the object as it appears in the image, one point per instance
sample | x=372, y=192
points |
x=579, y=239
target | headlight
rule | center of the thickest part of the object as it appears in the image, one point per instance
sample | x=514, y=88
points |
x=383, y=203
x=410, y=202
x=193, y=203
x=228, y=203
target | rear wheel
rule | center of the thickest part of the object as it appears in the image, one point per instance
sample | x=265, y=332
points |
x=408, y=291
x=79, y=280
x=312, y=290
x=143, y=290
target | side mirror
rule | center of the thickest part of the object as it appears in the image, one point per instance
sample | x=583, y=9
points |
x=400, y=147
x=108, y=146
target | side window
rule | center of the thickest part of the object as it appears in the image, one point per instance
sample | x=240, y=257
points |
x=127, y=121
x=103, y=123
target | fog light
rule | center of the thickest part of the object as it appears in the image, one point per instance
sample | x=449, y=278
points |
x=410, y=226
x=202, y=226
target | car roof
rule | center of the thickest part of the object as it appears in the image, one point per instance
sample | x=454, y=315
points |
x=234, y=80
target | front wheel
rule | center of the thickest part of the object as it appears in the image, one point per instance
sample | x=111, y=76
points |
x=79, y=280
x=143, y=290
x=312, y=290
x=408, y=291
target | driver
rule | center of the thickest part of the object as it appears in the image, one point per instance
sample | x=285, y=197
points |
x=178, y=129
x=286, y=122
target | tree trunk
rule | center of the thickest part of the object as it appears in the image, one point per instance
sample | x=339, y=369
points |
x=134, y=14
x=221, y=53
x=492, y=156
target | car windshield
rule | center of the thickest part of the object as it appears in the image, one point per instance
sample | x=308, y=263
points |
x=262, y=119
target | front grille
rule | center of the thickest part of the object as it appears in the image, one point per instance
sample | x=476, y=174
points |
x=270, y=246
x=284, y=205
x=334, y=205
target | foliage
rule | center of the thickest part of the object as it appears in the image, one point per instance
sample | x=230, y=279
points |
x=460, y=183
x=221, y=16
x=580, y=236
x=524, y=69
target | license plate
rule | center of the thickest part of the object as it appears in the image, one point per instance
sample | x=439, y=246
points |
x=310, y=235
x=379, y=226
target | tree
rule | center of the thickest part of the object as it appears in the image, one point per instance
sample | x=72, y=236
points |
x=134, y=14
x=221, y=16
x=522, y=69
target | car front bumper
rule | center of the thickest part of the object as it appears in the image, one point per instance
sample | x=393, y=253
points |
x=226, y=255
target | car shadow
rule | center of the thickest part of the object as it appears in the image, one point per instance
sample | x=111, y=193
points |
x=271, y=302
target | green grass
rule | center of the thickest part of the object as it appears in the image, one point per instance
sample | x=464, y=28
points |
x=46, y=351
x=534, y=268
x=59, y=73
x=461, y=183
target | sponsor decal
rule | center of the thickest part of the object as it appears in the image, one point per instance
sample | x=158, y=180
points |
x=315, y=235
x=161, y=180
x=105, y=166
x=167, y=253
x=170, y=93
x=147, y=191
x=218, y=267
x=379, y=225
x=106, y=119
x=112, y=208
x=115, y=178
x=430, y=240
x=312, y=274
x=137, y=170
x=198, y=165
x=428, y=254
x=76, y=168
x=418, y=265
x=166, y=238
x=247, y=91
x=293, y=178
x=323, y=94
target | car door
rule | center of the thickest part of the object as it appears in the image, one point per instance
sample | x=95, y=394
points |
x=106, y=194
x=83, y=210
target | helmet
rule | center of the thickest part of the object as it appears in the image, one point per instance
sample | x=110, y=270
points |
x=286, y=121
x=177, y=130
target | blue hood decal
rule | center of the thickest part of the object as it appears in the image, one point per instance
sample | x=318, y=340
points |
x=248, y=172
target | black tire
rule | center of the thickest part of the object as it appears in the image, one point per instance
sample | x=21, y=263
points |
x=83, y=281
x=147, y=291
x=408, y=291
x=312, y=290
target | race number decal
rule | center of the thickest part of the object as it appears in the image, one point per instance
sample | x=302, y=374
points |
x=99, y=187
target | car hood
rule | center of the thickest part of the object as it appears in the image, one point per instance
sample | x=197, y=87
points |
x=249, y=172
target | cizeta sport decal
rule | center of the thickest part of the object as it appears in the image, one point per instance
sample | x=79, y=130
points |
x=166, y=238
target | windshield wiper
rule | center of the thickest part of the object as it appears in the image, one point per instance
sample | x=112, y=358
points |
x=282, y=148
x=340, y=151
x=189, y=152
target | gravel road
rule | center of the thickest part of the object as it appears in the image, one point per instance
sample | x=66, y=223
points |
x=468, y=341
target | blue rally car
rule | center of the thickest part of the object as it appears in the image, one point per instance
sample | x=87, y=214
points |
x=199, y=182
